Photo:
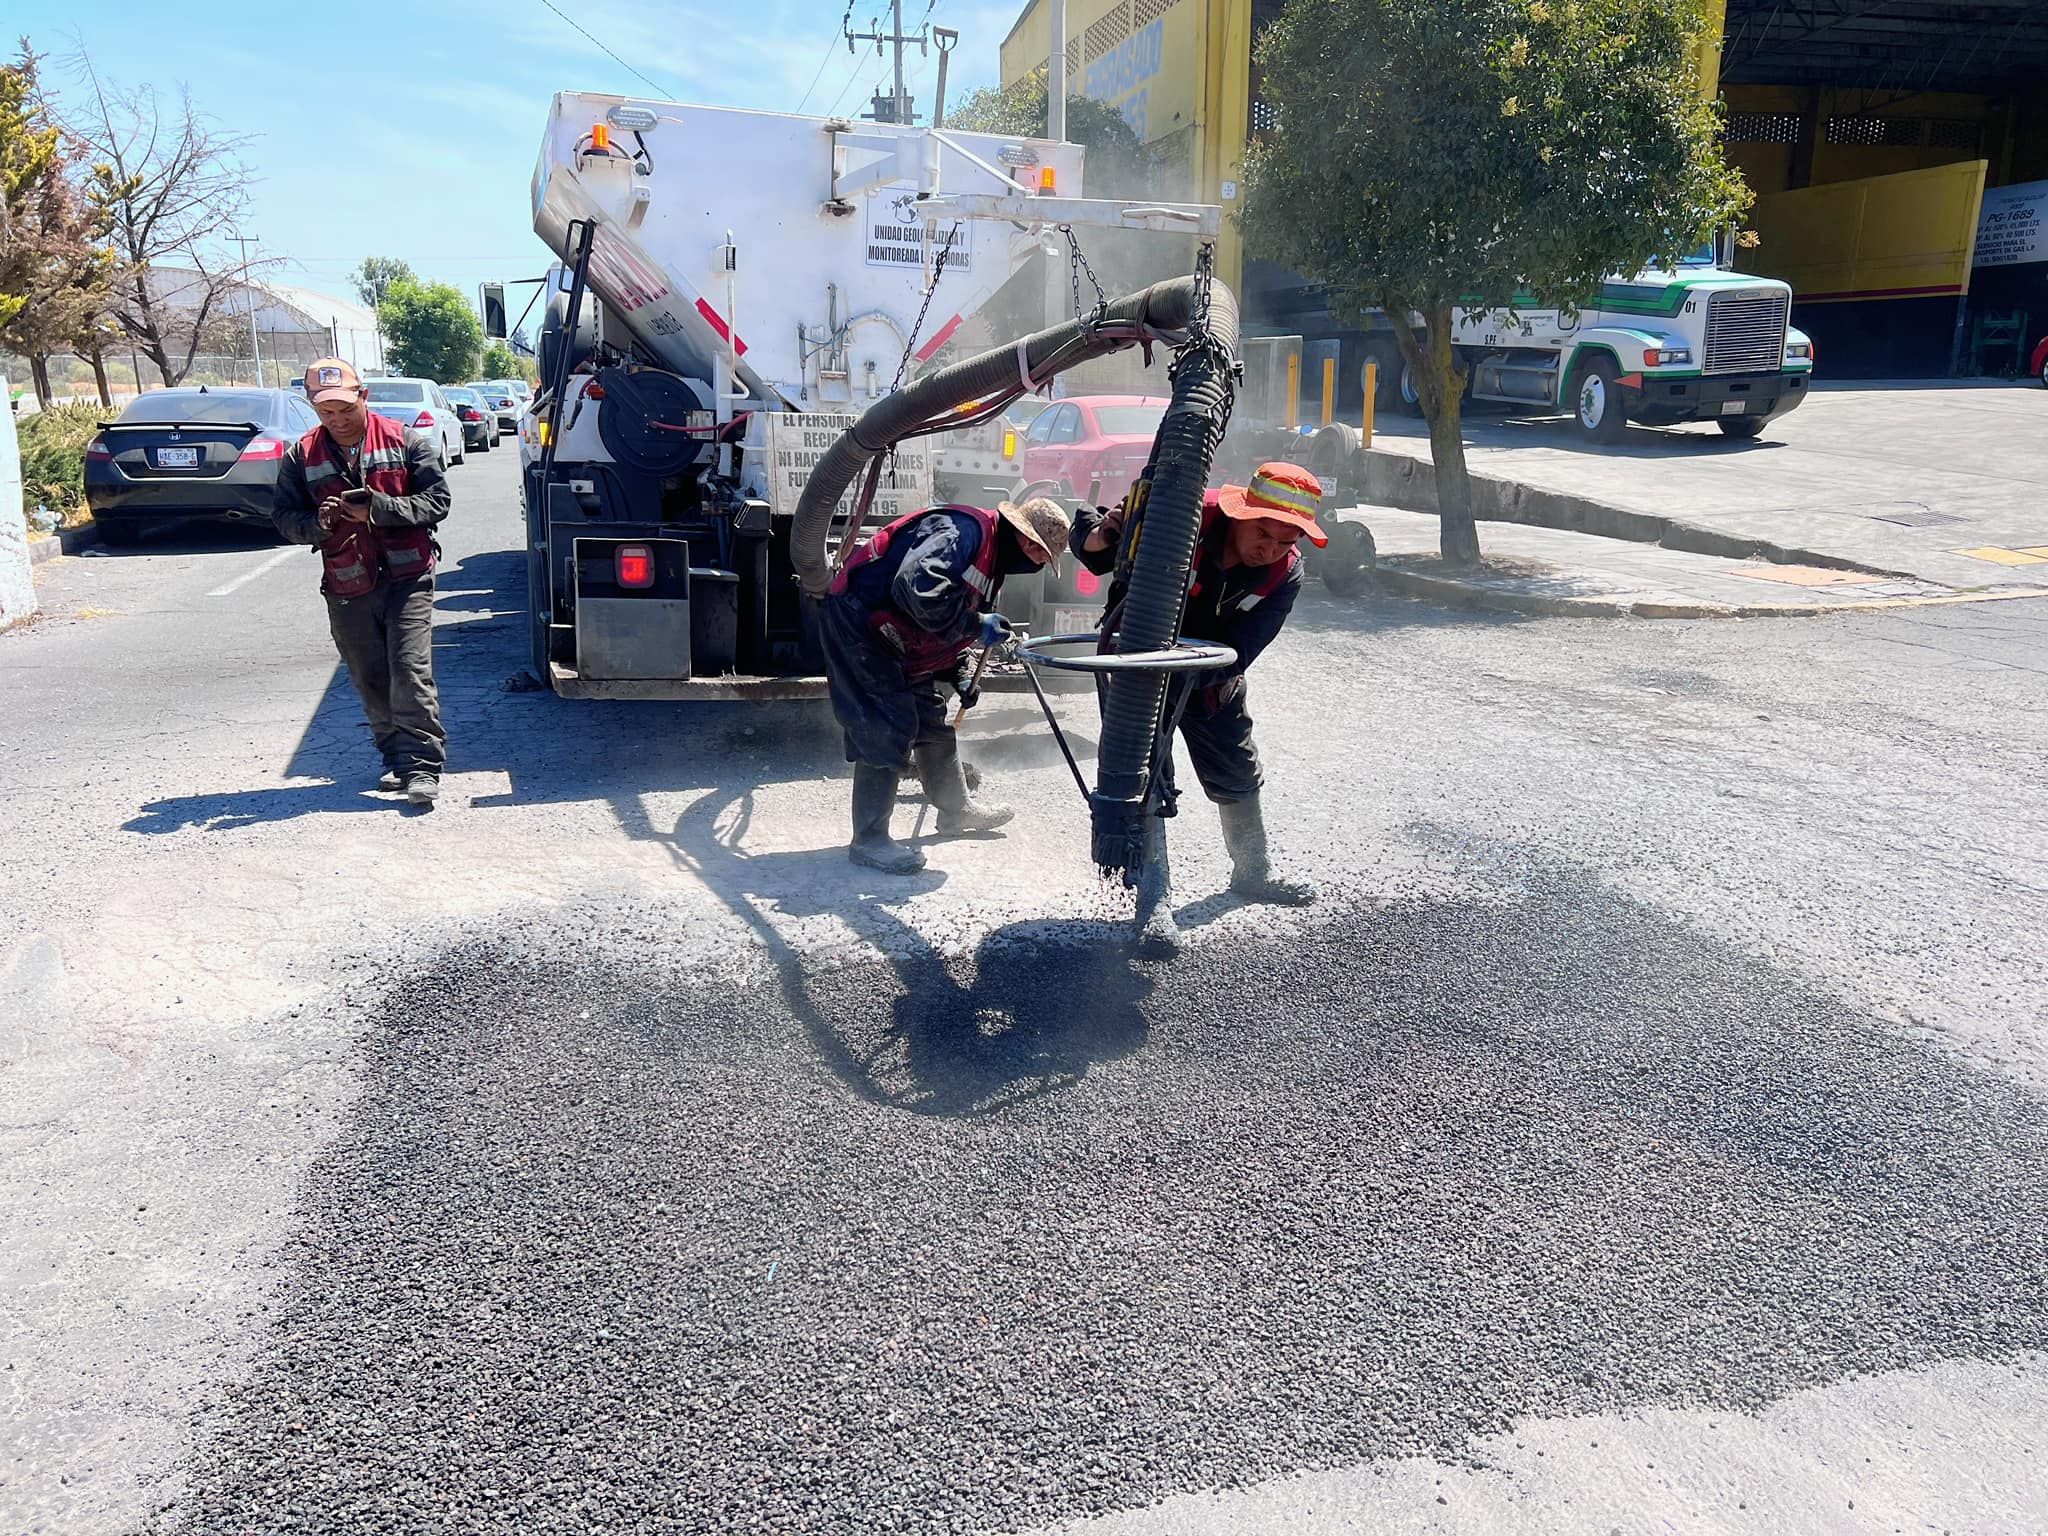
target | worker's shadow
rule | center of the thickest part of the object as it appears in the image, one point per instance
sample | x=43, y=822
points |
x=1030, y=1012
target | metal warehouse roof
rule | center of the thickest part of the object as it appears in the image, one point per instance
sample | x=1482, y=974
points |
x=1896, y=45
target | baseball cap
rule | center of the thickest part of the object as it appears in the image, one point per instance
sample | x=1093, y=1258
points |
x=1286, y=493
x=332, y=379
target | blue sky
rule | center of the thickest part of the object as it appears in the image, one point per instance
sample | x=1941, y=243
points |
x=414, y=134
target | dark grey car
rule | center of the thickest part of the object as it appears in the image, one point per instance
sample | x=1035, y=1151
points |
x=182, y=453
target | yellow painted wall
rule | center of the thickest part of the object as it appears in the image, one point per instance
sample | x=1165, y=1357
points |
x=1914, y=231
x=2008, y=129
x=1182, y=80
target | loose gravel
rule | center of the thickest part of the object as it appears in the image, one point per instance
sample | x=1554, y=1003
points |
x=980, y=1244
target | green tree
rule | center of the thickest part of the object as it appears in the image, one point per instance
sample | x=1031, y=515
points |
x=1117, y=163
x=54, y=270
x=1481, y=154
x=501, y=362
x=371, y=278
x=433, y=333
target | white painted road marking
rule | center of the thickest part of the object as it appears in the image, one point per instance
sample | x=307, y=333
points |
x=248, y=576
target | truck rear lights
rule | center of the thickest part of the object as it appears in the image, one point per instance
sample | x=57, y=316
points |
x=634, y=566
x=1045, y=181
x=258, y=449
x=1009, y=443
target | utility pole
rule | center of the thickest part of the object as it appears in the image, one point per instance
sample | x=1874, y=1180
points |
x=255, y=351
x=943, y=38
x=900, y=110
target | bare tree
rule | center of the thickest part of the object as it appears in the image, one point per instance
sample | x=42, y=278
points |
x=173, y=188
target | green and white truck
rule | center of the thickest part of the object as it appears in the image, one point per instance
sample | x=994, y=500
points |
x=1698, y=342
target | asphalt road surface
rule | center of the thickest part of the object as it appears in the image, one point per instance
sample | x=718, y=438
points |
x=1647, y=1132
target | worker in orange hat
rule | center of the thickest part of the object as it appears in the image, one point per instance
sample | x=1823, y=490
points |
x=1246, y=576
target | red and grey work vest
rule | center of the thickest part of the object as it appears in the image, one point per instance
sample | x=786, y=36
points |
x=924, y=653
x=1209, y=546
x=356, y=556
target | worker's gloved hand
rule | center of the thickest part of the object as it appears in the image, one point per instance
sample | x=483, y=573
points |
x=965, y=685
x=996, y=630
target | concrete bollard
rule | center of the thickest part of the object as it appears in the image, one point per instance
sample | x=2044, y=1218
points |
x=17, y=587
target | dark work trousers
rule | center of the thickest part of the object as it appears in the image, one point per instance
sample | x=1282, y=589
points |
x=884, y=713
x=386, y=639
x=1218, y=736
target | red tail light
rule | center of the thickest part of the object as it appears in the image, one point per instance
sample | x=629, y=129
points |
x=98, y=449
x=635, y=563
x=424, y=420
x=260, y=448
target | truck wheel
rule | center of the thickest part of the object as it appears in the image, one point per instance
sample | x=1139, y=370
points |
x=1408, y=399
x=1595, y=400
x=1386, y=395
x=1742, y=426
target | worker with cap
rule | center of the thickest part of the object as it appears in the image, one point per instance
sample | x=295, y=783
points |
x=1246, y=575
x=368, y=494
x=896, y=628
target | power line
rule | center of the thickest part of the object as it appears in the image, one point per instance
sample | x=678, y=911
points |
x=661, y=91
x=844, y=23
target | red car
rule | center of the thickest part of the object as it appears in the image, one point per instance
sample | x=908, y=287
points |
x=1093, y=446
x=2039, y=366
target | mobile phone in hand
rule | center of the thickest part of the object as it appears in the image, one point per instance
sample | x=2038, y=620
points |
x=356, y=496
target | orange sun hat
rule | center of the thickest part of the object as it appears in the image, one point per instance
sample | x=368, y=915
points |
x=1286, y=493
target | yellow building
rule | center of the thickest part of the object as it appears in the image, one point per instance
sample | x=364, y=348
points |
x=1870, y=130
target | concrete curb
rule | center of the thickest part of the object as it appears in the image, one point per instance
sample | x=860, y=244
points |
x=1402, y=480
x=65, y=541
x=1451, y=592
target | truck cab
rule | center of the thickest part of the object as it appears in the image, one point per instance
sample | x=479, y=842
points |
x=1694, y=342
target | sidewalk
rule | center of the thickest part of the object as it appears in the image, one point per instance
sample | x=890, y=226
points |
x=1549, y=571
x=1943, y=482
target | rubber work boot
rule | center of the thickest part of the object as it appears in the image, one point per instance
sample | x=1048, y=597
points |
x=874, y=801
x=1252, y=877
x=1158, y=933
x=945, y=786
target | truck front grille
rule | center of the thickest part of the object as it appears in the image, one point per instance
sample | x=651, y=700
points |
x=1746, y=332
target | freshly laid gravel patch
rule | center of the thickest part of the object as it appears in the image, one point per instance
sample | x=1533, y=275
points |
x=983, y=1245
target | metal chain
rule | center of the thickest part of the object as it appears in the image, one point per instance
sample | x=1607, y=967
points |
x=938, y=269
x=1077, y=263
x=1201, y=343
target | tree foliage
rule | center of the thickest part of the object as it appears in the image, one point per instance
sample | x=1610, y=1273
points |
x=1429, y=155
x=432, y=331
x=1117, y=164
x=501, y=362
x=173, y=191
x=54, y=270
x=370, y=279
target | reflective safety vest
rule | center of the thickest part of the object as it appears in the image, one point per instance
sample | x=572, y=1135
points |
x=356, y=556
x=924, y=653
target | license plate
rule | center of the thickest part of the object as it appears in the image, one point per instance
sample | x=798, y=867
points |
x=177, y=458
x=1734, y=407
x=1073, y=621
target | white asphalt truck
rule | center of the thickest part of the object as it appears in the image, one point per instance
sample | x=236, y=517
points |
x=733, y=289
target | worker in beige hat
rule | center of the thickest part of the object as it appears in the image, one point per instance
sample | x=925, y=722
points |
x=896, y=627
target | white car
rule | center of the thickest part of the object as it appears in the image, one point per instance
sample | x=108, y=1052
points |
x=419, y=404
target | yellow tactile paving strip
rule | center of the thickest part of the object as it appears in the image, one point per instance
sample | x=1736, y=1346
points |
x=1999, y=556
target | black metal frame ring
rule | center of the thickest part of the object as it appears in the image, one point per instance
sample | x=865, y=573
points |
x=1183, y=656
